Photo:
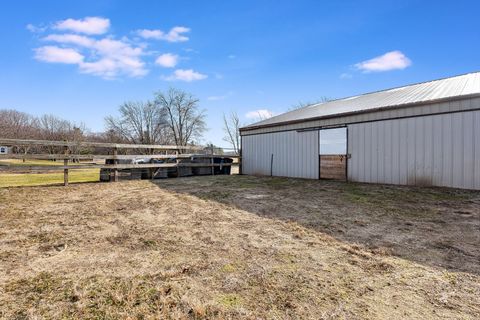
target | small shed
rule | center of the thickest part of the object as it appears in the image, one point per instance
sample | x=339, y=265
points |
x=421, y=134
x=4, y=150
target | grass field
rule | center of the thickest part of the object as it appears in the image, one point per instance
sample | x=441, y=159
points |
x=239, y=247
x=51, y=177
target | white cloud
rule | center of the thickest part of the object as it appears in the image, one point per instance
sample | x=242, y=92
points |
x=232, y=56
x=185, y=75
x=260, y=114
x=174, y=35
x=35, y=29
x=107, y=57
x=389, y=61
x=71, y=39
x=109, y=68
x=116, y=58
x=167, y=60
x=88, y=25
x=346, y=76
x=54, y=54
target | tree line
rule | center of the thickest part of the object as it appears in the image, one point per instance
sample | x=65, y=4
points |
x=171, y=117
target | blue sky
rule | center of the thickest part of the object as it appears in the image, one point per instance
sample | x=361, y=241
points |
x=81, y=59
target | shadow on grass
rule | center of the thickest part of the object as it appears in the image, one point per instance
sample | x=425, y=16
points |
x=436, y=227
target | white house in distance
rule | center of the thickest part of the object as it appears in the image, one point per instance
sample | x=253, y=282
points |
x=3, y=150
x=421, y=134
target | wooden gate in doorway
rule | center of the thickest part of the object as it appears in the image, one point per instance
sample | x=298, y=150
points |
x=333, y=167
x=333, y=153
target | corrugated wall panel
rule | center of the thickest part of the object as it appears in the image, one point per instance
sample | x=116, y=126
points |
x=476, y=160
x=440, y=150
x=468, y=151
x=295, y=154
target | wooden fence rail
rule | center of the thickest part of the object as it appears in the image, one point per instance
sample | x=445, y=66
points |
x=23, y=142
x=115, y=166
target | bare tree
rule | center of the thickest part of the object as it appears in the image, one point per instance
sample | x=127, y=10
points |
x=53, y=128
x=231, y=126
x=17, y=125
x=139, y=122
x=185, y=120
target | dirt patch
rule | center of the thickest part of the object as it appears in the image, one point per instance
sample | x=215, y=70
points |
x=238, y=247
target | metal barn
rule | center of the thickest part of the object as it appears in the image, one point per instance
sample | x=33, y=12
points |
x=421, y=134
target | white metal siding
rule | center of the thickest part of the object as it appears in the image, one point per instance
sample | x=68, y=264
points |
x=295, y=154
x=439, y=150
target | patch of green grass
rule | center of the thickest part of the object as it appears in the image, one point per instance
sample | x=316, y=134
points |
x=35, y=179
x=356, y=194
x=215, y=195
x=229, y=300
x=229, y=268
x=33, y=162
x=44, y=284
x=148, y=243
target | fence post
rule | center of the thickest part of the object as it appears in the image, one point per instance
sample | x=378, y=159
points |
x=211, y=161
x=115, y=162
x=240, y=163
x=65, y=163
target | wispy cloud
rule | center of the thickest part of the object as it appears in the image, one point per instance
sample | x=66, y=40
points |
x=71, y=39
x=55, y=54
x=393, y=60
x=167, y=60
x=260, y=114
x=346, y=76
x=176, y=34
x=222, y=97
x=88, y=25
x=185, y=75
x=231, y=56
x=35, y=29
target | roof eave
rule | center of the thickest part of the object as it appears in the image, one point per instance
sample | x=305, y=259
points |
x=336, y=115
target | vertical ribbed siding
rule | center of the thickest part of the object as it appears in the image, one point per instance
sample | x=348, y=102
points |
x=295, y=154
x=440, y=150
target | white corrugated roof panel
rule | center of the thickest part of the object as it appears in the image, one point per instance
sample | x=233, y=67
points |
x=462, y=85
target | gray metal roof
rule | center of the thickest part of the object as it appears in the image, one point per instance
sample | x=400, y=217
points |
x=463, y=85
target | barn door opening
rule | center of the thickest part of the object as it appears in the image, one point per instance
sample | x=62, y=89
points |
x=333, y=153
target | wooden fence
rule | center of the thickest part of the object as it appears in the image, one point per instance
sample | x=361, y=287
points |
x=176, y=152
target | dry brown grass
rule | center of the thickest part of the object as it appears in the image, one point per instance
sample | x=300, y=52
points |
x=231, y=247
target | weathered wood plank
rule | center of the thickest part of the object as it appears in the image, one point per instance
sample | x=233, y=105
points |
x=22, y=142
x=103, y=156
x=117, y=166
x=333, y=167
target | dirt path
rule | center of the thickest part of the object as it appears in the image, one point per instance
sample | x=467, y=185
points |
x=238, y=247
